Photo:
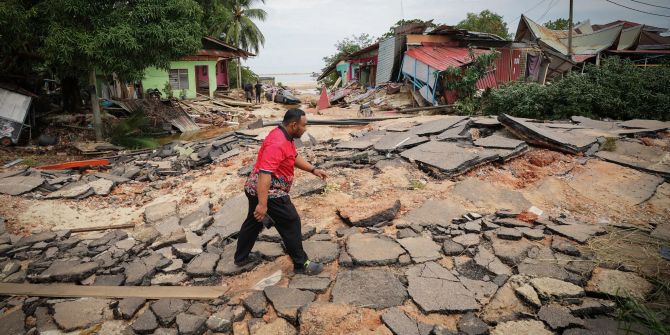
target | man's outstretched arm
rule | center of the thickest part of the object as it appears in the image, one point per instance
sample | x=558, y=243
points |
x=302, y=164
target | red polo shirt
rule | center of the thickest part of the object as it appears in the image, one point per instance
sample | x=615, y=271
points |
x=277, y=158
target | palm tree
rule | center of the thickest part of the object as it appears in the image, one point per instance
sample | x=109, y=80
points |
x=233, y=21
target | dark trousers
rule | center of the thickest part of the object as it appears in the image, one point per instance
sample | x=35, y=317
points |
x=258, y=97
x=287, y=223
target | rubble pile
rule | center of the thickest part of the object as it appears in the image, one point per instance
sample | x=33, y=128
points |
x=175, y=158
x=507, y=275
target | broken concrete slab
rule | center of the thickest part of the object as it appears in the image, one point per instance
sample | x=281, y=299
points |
x=400, y=323
x=228, y=220
x=449, y=159
x=373, y=250
x=369, y=288
x=101, y=186
x=470, y=324
x=198, y=220
x=437, y=126
x=398, y=141
x=287, y=301
x=486, y=259
x=505, y=305
x=435, y=212
x=508, y=233
x=482, y=290
x=578, y=232
x=186, y=251
x=166, y=310
x=226, y=265
x=528, y=294
x=467, y=240
x=169, y=279
x=569, y=141
x=321, y=251
x=189, y=324
x=272, y=235
x=79, y=314
x=451, y=248
x=522, y=327
x=362, y=215
x=511, y=252
x=146, y=323
x=256, y=304
x=306, y=186
x=311, y=283
x=202, y=265
x=549, y=288
x=18, y=185
x=618, y=284
x=13, y=322
x=268, y=250
x=499, y=142
x=452, y=296
x=638, y=156
x=67, y=271
x=74, y=190
x=127, y=307
x=558, y=317
x=277, y=326
x=361, y=143
x=421, y=249
x=160, y=211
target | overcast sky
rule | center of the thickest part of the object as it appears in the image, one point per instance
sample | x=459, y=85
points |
x=299, y=33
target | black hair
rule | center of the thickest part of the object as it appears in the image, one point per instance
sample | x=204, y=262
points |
x=293, y=115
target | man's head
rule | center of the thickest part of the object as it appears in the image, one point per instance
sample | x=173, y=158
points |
x=295, y=122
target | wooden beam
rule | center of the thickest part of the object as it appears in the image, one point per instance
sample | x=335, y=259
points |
x=147, y=292
x=87, y=229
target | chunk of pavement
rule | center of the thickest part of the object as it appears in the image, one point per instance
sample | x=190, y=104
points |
x=67, y=271
x=202, y=265
x=528, y=294
x=221, y=321
x=508, y=233
x=483, y=194
x=364, y=215
x=437, y=126
x=141, y=268
x=101, y=186
x=373, y=250
x=169, y=279
x=272, y=235
x=109, y=238
x=109, y=280
x=549, y=288
x=186, y=251
x=268, y=250
x=226, y=265
x=579, y=232
x=451, y=297
x=168, y=225
x=199, y=219
x=592, y=306
x=511, y=252
x=369, y=288
x=286, y=301
x=618, y=284
x=470, y=324
x=189, y=324
x=400, y=323
x=467, y=240
x=542, y=262
x=166, y=310
x=421, y=249
x=307, y=186
x=558, y=317
x=562, y=245
x=473, y=226
x=482, y=290
x=127, y=307
x=505, y=305
x=321, y=251
x=74, y=190
x=498, y=142
x=399, y=140
x=145, y=233
x=229, y=218
x=521, y=327
x=317, y=284
x=35, y=238
x=13, y=322
x=178, y=236
x=489, y=261
x=256, y=304
x=145, y=323
x=160, y=211
x=532, y=233
x=277, y=326
x=78, y=314
x=405, y=233
x=435, y=212
x=18, y=185
x=451, y=248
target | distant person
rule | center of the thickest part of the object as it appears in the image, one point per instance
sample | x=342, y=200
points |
x=248, y=89
x=259, y=89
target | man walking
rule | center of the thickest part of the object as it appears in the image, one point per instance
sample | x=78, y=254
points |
x=267, y=189
x=248, y=91
x=259, y=88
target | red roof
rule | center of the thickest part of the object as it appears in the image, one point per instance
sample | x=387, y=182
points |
x=442, y=58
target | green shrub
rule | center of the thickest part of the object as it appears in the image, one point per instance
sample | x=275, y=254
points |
x=617, y=89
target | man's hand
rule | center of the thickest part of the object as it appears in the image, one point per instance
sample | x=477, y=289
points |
x=260, y=212
x=320, y=173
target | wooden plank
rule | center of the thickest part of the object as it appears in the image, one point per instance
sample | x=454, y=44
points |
x=147, y=292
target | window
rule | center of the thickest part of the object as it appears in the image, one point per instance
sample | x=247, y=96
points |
x=179, y=79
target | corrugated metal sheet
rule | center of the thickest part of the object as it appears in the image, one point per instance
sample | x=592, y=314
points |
x=516, y=64
x=388, y=58
x=509, y=65
x=591, y=44
x=442, y=58
x=487, y=81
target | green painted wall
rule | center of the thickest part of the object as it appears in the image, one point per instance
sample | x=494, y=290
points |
x=156, y=78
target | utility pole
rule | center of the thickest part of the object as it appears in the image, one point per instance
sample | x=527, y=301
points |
x=570, y=33
x=95, y=106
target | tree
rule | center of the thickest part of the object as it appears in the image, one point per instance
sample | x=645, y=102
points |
x=344, y=47
x=485, y=22
x=559, y=24
x=233, y=20
x=400, y=23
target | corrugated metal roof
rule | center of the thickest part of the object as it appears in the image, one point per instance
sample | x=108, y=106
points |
x=441, y=58
x=591, y=44
x=629, y=37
